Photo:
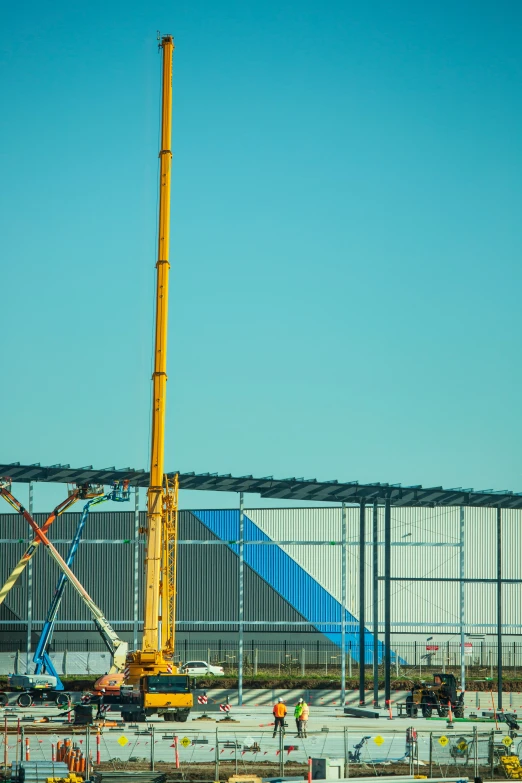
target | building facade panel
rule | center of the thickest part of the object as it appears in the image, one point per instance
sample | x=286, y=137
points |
x=425, y=545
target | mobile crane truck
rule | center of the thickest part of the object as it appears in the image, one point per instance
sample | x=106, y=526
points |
x=152, y=684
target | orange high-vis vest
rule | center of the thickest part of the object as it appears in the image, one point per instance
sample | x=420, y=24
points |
x=279, y=710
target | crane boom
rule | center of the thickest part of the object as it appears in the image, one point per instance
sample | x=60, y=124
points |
x=153, y=559
x=156, y=654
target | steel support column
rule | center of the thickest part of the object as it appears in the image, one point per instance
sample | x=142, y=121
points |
x=29, y=588
x=387, y=601
x=461, y=601
x=136, y=567
x=343, y=605
x=241, y=597
x=362, y=577
x=499, y=607
x=375, y=621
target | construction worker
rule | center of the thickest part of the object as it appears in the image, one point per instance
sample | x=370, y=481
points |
x=279, y=712
x=305, y=714
x=297, y=715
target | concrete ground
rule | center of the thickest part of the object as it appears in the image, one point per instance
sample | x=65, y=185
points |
x=330, y=734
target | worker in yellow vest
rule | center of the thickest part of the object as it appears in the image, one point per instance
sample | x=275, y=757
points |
x=303, y=718
x=279, y=712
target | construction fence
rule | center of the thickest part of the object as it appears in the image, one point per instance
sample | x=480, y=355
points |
x=297, y=657
x=222, y=749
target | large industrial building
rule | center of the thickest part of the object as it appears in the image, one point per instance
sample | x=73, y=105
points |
x=293, y=578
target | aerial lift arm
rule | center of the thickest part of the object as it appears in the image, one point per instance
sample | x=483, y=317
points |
x=115, y=645
x=30, y=551
x=41, y=658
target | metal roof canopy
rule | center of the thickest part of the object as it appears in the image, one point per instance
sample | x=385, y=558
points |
x=269, y=487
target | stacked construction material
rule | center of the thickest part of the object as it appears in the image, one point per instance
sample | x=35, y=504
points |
x=71, y=755
x=39, y=771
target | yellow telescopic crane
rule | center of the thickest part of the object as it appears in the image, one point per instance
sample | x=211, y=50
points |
x=157, y=651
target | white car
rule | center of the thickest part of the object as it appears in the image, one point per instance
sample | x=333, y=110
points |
x=198, y=668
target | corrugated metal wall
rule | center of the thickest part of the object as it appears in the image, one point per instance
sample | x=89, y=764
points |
x=208, y=574
x=416, y=606
x=102, y=568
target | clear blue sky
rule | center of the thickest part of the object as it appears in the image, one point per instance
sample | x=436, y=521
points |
x=346, y=243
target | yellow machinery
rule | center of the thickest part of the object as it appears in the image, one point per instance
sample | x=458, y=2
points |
x=511, y=767
x=151, y=670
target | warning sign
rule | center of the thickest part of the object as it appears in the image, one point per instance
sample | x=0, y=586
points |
x=123, y=741
x=185, y=742
x=443, y=741
x=507, y=741
x=378, y=740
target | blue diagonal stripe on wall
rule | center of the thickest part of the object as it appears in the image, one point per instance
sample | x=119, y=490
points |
x=290, y=580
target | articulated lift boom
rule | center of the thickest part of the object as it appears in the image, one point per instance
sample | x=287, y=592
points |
x=110, y=637
x=43, y=664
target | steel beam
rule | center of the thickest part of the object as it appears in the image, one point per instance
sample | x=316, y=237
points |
x=29, y=589
x=362, y=583
x=499, y=608
x=375, y=623
x=387, y=602
x=343, y=605
x=241, y=598
x=461, y=602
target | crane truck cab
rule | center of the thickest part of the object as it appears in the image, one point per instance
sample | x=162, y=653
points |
x=167, y=695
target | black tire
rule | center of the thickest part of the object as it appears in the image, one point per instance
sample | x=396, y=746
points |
x=24, y=700
x=3, y=699
x=459, y=711
x=140, y=717
x=63, y=699
x=126, y=716
x=411, y=709
x=169, y=716
x=427, y=709
x=183, y=716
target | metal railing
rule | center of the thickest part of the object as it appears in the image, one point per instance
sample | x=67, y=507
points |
x=288, y=657
x=219, y=750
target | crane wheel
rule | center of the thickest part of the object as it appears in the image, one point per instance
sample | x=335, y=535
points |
x=24, y=700
x=3, y=699
x=63, y=699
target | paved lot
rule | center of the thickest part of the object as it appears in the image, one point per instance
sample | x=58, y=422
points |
x=329, y=733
